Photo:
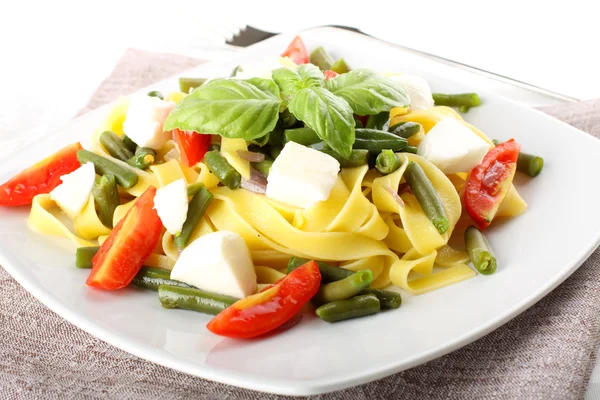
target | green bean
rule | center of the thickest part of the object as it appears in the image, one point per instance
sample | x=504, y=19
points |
x=304, y=136
x=428, y=198
x=344, y=288
x=143, y=158
x=274, y=151
x=115, y=146
x=410, y=149
x=387, y=162
x=151, y=278
x=358, y=122
x=379, y=121
x=462, y=100
x=528, y=164
x=375, y=140
x=218, y=165
x=321, y=58
x=480, y=251
x=187, y=84
x=387, y=299
x=193, y=299
x=156, y=93
x=340, y=66
x=464, y=109
x=194, y=188
x=84, y=256
x=236, y=70
x=276, y=137
x=214, y=147
x=405, y=129
x=106, y=197
x=196, y=209
x=329, y=272
x=358, y=306
x=264, y=167
x=130, y=144
x=103, y=166
x=358, y=157
x=287, y=119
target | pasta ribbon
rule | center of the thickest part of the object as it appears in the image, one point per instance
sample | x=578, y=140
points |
x=87, y=224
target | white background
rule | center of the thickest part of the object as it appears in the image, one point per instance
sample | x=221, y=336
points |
x=54, y=54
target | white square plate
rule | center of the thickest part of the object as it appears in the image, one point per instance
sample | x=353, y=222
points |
x=536, y=252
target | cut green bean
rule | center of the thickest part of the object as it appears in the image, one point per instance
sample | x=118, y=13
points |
x=464, y=109
x=304, y=136
x=344, y=288
x=196, y=209
x=321, y=58
x=428, y=198
x=264, y=167
x=387, y=299
x=358, y=122
x=103, y=166
x=358, y=306
x=275, y=150
x=287, y=119
x=358, y=157
x=405, y=129
x=387, y=162
x=218, y=165
x=130, y=144
x=340, y=66
x=115, y=146
x=375, y=140
x=410, y=149
x=193, y=299
x=194, y=188
x=187, y=84
x=151, y=278
x=214, y=147
x=143, y=158
x=156, y=93
x=84, y=256
x=480, y=251
x=329, y=272
x=462, y=100
x=106, y=197
x=379, y=121
x=528, y=164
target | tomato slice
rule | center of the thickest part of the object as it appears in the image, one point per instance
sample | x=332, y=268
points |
x=329, y=74
x=297, y=52
x=192, y=146
x=40, y=178
x=265, y=311
x=489, y=182
x=128, y=246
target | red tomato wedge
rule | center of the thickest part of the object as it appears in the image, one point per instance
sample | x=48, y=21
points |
x=489, y=182
x=192, y=146
x=297, y=52
x=128, y=246
x=265, y=311
x=329, y=74
x=40, y=178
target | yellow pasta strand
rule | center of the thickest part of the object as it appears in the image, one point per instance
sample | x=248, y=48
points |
x=267, y=274
x=121, y=210
x=87, y=224
x=229, y=148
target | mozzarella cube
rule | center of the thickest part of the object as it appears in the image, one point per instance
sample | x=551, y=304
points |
x=264, y=68
x=453, y=147
x=218, y=262
x=74, y=191
x=301, y=176
x=171, y=205
x=144, y=121
x=418, y=90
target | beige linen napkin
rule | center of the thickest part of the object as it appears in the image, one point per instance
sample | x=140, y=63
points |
x=545, y=353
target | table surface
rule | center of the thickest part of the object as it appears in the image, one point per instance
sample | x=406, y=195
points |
x=549, y=47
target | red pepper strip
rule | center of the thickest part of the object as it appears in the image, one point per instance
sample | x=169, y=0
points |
x=265, y=311
x=489, y=182
x=329, y=74
x=40, y=178
x=192, y=146
x=128, y=246
x=297, y=52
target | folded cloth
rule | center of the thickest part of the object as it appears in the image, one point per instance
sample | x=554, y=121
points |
x=547, y=352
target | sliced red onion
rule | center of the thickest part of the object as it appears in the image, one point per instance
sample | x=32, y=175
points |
x=395, y=195
x=251, y=156
x=257, y=182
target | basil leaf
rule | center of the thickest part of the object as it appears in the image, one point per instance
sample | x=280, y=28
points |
x=368, y=92
x=246, y=109
x=328, y=115
x=290, y=81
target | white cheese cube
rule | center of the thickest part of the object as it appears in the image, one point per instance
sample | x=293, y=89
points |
x=144, y=121
x=453, y=147
x=74, y=191
x=218, y=262
x=418, y=90
x=264, y=68
x=171, y=205
x=301, y=176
